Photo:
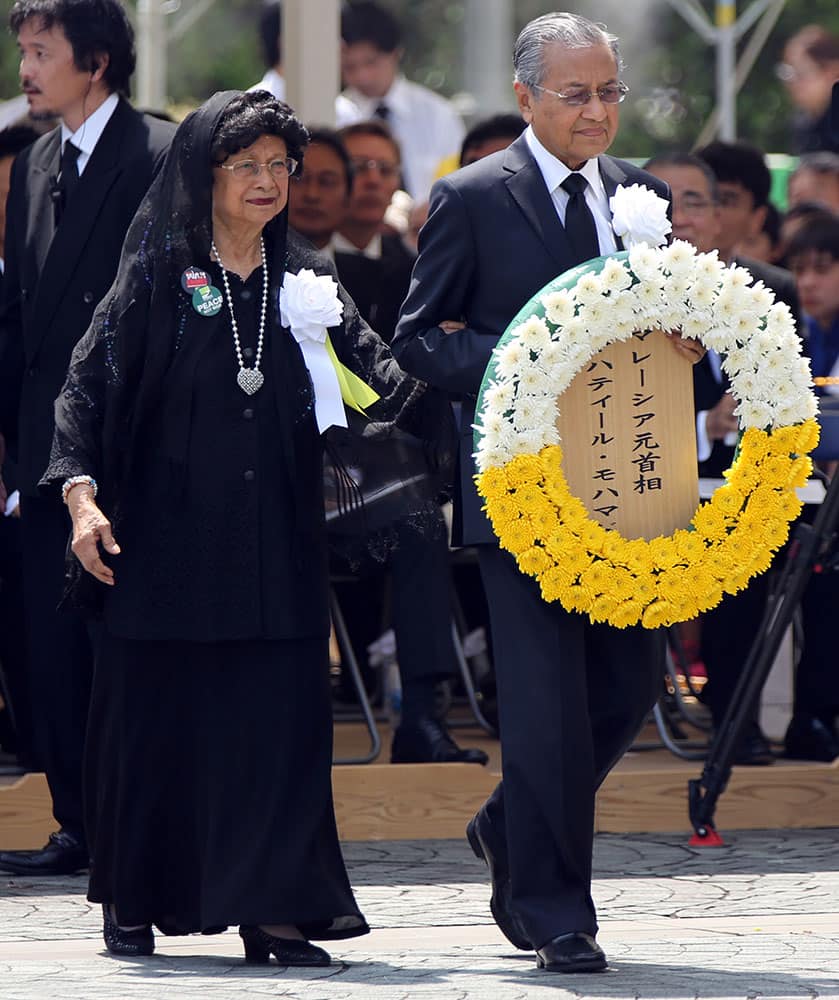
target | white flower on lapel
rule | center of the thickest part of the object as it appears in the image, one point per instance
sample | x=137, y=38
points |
x=639, y=215
x=309, y=304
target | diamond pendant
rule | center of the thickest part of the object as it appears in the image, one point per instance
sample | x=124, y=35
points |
x=250, y=379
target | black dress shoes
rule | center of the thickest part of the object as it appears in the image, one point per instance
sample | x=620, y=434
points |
x=809, y=738
x=259, y=946
x=118, y=941
x=571, y=953
x=63, y=855
x=427, y=741
x=754, y=751
x=490, y=850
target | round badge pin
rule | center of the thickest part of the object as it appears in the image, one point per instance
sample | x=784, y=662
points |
x=194, y=277
x=207, y=300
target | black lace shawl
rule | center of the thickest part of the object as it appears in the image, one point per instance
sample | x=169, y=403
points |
x=117, y=371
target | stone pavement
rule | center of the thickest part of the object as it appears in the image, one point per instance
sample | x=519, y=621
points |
x=756, y=919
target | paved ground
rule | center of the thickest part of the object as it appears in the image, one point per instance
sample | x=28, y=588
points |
x=756, y=919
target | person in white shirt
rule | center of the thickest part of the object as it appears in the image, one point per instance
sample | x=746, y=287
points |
x=270, y=35
x=425, y=125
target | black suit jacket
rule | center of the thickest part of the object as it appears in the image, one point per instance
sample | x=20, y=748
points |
x=492, y=240
x=707, y=391
x=378, y=287
x=55, y=277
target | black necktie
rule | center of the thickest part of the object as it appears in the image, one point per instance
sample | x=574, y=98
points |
x=382, y=111
x=579, y=222
x=68, y=176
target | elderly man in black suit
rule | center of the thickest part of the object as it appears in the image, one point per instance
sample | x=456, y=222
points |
x=572, y=695
x=73, y=194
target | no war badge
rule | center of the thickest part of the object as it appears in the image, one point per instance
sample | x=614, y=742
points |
x=207, y=300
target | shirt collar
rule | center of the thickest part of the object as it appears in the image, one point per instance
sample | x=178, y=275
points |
x=373, y=250
x=90, y=131
x=396, y=100
x=555, y=171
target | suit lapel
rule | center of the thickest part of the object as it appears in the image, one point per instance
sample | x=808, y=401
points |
x=41, y=221
x=528, y=189
x=612, y=175
x=78, y=220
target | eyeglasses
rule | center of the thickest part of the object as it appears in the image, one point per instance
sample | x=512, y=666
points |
x=613, y=93
x=387, y=170
x=242, y=170
x=692, y=204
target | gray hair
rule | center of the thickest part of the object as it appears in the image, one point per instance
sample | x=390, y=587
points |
x=570, y=30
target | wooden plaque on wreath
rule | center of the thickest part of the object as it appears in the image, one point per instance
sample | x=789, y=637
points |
x=629, y=437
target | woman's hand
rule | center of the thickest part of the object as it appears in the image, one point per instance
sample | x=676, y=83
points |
x=686, y=346
x=90, y=528
x=451, y=325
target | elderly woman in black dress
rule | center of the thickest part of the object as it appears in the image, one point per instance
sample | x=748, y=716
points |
x=189, y=449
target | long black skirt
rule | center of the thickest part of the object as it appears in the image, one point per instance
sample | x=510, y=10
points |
x=208, y=798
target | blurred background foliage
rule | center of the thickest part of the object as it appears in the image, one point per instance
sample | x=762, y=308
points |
x=670, y=69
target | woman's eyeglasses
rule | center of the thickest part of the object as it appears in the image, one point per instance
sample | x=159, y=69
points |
x=613, y=93
x=282, y=166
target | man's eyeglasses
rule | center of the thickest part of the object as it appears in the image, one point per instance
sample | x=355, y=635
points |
x=387, y=170
x=692, y=204
x=613, y=93
x=242, y=170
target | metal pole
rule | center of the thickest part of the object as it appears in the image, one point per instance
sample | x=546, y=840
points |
x=311, y=47
x=151, y=54
x=726, y=68
x=487, y=43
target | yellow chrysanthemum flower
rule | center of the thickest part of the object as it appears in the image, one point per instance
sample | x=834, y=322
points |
x=517, y=536
x=534, y=561
x=502, y=510
x=659, y=614
x=524, y=469
x=627, y=613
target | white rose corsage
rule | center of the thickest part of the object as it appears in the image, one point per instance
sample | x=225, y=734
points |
x=639, y=215
x=309, y=305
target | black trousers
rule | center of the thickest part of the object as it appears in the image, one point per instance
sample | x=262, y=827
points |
x=12, y=638
x=60, y=657
x=420, y=606
x=571, y=698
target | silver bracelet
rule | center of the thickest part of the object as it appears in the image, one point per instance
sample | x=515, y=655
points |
x=75, y=481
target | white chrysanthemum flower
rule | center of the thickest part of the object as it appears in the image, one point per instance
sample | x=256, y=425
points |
x=679, y=258
x=500, y=395
x=739, y=277
x=589, y=288
x=528, y=442
x=643, y=261
x=511, y=357
x=492, y=422
x=595, y=313
x=615, y=276
x=534, y=333
x=779, y=318
x=559, y=306
x=759, y=299
x=708, y=265
x=575, y=330
x=754, y=414
x=524, y=414
x=712, y=335
x=532, y=380
x=544, y=409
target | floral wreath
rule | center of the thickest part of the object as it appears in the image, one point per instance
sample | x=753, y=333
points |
x=585, y=566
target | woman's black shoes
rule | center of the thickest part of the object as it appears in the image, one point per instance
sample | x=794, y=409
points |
x=121, y=942
x=259, y=947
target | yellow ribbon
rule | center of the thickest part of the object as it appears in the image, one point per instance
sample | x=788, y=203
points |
x=355, y=392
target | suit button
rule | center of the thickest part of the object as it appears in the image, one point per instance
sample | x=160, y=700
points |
x=250, y=475
x=248, y=414
x=88, y=297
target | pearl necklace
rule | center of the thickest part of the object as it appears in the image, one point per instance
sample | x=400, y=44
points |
x=249, y=379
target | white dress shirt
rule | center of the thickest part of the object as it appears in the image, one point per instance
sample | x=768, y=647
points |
x=554, y=172
x=90, y=131
x=425, y=125
x=340, y=244
x=274, y=83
